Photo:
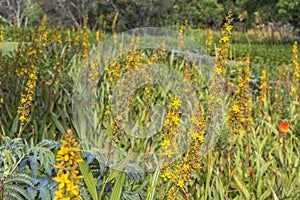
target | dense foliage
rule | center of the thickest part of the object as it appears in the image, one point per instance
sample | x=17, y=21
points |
x=44, y=150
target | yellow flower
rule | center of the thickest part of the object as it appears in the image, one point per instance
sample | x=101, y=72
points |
x=175, y=119
x=235, y=108
x=119, y=117
x=62, y=179
x=186, y=167
x=166, y=175
x=23, y=100
x=199, y=137
x=229, y=28
x=241, y=131
x=176, y=103
x=166, y=143
x=180, y=183
x=23, y=118
x=169, y=153
x=66, y=158
x=224, y=39
x=220, y=70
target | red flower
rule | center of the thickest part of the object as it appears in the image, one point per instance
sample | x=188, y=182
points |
x=284, y=127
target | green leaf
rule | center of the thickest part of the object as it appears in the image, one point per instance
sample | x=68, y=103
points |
x=117, y=169
x=88, y=179
x=8, y=157
x=58, y=124
x=15, y=125
x=151, y=192
x=274, y=194
x=117, y=190
x=242, y=187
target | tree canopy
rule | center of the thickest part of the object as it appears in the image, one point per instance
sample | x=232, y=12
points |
x=138, y=13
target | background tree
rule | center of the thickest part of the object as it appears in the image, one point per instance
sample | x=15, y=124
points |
x=66, y=12
x=277, y=14
x=288, y=12
x=140, y=13
x=18, y=10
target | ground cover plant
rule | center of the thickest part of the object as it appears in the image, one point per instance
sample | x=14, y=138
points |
x=45, y=152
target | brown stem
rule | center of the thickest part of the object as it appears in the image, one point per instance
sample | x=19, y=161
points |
x=186, y=193
x=2, y=187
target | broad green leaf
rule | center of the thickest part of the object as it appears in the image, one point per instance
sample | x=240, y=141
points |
x=15, y=125
x=117, y=169
x=117, y=189
x=88, y=179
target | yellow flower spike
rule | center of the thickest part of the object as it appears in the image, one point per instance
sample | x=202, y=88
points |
x=67, y=159
x=296, y=74
x=209, y=41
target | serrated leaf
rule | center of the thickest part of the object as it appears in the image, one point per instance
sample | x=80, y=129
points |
x=23, y=164
x=34, y=164
x=32, y=192
x=45, y=193
x=16, y=189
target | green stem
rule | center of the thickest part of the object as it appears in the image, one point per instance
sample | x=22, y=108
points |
x=103, y=188
x=20, y=130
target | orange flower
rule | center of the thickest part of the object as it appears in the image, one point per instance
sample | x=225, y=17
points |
x=284, y=127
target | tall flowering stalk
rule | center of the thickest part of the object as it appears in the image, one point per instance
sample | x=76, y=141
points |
x=30, y=71
x=45, y=37
x=247, y=101
x=263, y=87
x=209, y=41
x=296, y=73
x=278, y=104
x=246, y=105
x=56, y=36
x=235, y=114
x=180, y=41
x=68, y=40
x=170, y=129
x=99, y=37
x=86, y=45
x=169, y=148
x=218, y=77
x=114, y=27
x=240, y=116
x=181, y=173
x=27, y=97
x=216, y=89
x=67, y=160
x=1, y=37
